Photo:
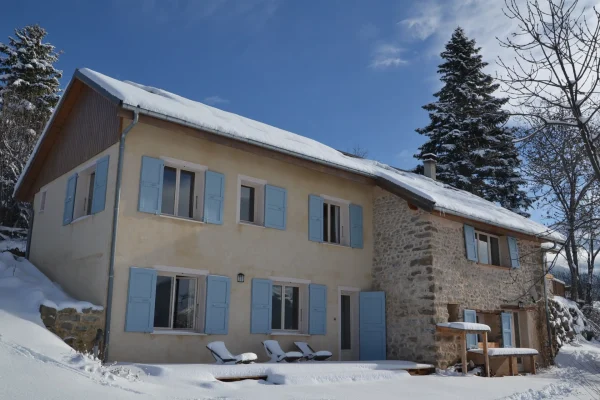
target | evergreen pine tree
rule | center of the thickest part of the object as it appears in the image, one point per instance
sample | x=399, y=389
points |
x=467, y=130
x=29, y=91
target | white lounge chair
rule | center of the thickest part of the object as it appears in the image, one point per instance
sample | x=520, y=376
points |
x=312, y=355
x=274, y=351
x=223, y=356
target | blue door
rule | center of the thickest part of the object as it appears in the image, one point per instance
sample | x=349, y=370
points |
x=372, y=326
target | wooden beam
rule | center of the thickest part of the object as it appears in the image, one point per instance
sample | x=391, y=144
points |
x=486, y=357
x=533, y=371
x=464, y=353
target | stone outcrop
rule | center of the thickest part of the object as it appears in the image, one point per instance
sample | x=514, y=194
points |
x=77, y=329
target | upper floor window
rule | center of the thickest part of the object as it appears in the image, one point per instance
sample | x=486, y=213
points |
x=261, y=204
x=488, y=248
x=335, y=224
x=337, y=221
x=182, y=192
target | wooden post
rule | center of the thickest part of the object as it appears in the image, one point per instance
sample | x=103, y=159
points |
x=533, y=365
x=464, y=353
x=486, y=358
x=510, y=366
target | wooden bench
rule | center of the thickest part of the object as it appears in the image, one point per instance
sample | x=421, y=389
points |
x=510, y=353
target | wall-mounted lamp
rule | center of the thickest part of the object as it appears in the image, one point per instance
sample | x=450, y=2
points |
x=240, y=277
x=521, y=305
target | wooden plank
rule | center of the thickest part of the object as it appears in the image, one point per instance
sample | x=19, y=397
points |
x=464, y=353
x=486, y=357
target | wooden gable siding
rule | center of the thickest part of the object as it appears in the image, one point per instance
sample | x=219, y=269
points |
x=91, y=126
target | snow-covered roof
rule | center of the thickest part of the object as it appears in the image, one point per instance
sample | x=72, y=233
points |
x=445, y=199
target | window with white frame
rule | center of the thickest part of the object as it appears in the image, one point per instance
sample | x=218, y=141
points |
x=288, y=306
x=336, y=216
x=488, y=248
x=178, y=302
x=43, y=201
x=251, y=199
x=183, y=189
x=84, y=192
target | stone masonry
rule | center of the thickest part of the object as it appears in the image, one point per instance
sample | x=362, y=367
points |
x=77, y=329
x=419, y=261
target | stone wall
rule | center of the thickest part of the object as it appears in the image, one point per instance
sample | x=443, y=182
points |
x=403, y=268
x=77, y=329
x=419, y=261
x=476, y=286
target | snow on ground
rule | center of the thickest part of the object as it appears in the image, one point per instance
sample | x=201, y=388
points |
x=36, y=364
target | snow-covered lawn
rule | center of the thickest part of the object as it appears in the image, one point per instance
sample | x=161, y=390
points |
x=35, y=364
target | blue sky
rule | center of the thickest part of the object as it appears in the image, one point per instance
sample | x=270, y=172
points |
x=344, y=72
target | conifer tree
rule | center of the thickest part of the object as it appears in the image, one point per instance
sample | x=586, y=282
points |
x=467, y=130
x=29, y=91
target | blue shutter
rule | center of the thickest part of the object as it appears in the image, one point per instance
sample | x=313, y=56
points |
x=275, y=207
x=356, y=226
x=261, y=306
x=471, y=316
x=470, y=243
x=140, y=300
x=372, y=333
x=315, y=218
x=70, y=199
x=100, y=183
x=214, y=196
x=317, y=305
x=217, y=304
x=507, y=340
x=151, y=182
x=513, y=250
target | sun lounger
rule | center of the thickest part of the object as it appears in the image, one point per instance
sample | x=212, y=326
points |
x=223, y=356
x=310, y=354
x=276, y=354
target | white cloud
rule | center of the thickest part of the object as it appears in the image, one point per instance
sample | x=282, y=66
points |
x=386, y=55
x=214, y=100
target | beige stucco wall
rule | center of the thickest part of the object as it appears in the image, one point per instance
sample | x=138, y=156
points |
x=146, y=240
x=75, y=255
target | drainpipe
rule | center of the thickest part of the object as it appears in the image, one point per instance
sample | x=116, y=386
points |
x=113, y=240
x=544, y=270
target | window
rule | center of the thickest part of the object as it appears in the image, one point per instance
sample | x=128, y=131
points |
x=84, y=192
x=335, y=222
x=286, y=307
x=90, y=197
x=43, y=201
x=331, y=223
x=176, y=305
x=488, y=248
x=247, y=200
x=251, y=197
x=182, y=191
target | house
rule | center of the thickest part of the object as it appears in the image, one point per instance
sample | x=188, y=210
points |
x=191, y=224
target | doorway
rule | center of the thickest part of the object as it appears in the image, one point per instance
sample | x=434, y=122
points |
x=348, y=324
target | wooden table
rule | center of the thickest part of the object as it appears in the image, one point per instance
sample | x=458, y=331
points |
x=447, y=330
x=506, y=352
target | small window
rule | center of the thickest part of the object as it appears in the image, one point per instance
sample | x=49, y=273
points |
x=84, y=192
x=90, y=197
x=488, y=248
x=336, y=216
x=251, y=197
x=43, y=201
x=287, y=308
x=247, y=201
x=176, y=305
x=182, y=191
